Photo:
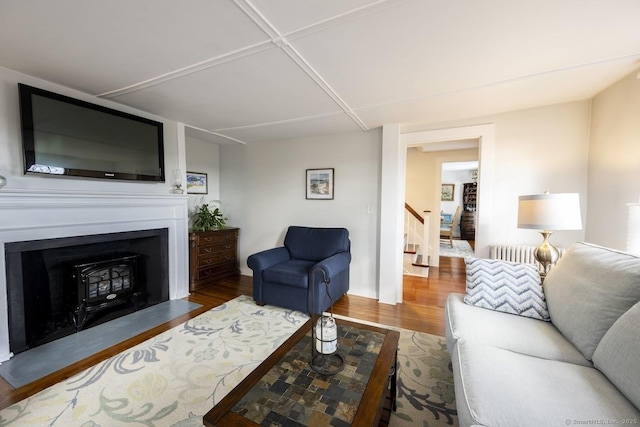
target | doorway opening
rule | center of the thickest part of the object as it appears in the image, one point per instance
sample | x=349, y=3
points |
x=458, y=209
x=394, y=146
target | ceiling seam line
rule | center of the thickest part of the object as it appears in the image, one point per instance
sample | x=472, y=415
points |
x=258, y=18
x=190, y=69
x=284, y=44
x=279, y=122
x=317, y=78
x=352, y=14
x=216, y=134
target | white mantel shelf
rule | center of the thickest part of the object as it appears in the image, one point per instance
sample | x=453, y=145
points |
x=33, y=214
x=47, y=193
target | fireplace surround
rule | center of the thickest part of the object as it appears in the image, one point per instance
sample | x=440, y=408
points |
x=34, y=215
x=60, y=286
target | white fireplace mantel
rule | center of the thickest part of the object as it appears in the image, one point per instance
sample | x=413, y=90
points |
x=44, y=214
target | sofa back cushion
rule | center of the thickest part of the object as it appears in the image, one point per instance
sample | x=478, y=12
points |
x=316, y=244
x=617, y=354
x=588, y=290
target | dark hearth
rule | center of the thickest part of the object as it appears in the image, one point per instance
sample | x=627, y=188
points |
x=57, y=287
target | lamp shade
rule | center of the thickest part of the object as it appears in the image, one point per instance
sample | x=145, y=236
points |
x=560, y=211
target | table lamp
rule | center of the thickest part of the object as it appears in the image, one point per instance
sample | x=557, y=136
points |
x=547, y=212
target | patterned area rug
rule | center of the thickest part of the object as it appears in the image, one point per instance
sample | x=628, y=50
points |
x=176, y=377
x=461, y=249
x=425, y=382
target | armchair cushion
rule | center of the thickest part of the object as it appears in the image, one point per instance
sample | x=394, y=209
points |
x=294, y=272
x=315, y=244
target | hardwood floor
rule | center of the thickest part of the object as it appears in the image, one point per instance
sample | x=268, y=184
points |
x=422, y=310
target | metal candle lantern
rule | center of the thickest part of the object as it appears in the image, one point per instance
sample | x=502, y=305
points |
x=326, y=335
x=324, y=339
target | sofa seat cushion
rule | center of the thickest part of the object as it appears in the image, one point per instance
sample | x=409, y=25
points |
x=511, y=287
x=588, y=290
x=294, y=272
x=508, y=331
x=618, y=354
x=496, y=387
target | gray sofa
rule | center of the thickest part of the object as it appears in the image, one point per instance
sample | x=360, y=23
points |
x=581, y=366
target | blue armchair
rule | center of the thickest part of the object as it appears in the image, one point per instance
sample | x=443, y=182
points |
x=286, y=276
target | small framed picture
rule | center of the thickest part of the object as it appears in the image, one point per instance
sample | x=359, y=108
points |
x=319, y=184
x=196, y=183
x=447, y=192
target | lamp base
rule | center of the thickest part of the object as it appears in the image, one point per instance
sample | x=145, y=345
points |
x=546, y=253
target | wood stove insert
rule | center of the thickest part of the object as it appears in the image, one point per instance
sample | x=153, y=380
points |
x=102, y=284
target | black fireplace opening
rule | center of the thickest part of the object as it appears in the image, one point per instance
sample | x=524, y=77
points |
x=57, y=287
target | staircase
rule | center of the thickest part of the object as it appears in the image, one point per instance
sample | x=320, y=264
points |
x=416, y=239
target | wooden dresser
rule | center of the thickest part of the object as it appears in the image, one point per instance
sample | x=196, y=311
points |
x=213, y=256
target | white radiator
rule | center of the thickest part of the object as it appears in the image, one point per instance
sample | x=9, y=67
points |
x=512, y=253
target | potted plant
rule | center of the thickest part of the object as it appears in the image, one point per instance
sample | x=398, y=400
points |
x=205, y=219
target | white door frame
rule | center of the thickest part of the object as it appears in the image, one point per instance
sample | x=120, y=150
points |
x=392, y=192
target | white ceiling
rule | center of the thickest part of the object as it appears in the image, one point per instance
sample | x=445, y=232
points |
x=258, y=70
x=459, y=166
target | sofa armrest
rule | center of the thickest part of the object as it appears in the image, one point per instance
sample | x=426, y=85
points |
x=265, y=259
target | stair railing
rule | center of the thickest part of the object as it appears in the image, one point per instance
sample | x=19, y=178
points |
x=416, y=235
x=413, y=225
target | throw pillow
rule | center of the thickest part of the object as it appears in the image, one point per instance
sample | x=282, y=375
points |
x=505, y=286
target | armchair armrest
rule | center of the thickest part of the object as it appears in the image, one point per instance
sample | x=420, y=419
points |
x=260, y=261
x=331, y=266
x=335, y=270
x=265, y=259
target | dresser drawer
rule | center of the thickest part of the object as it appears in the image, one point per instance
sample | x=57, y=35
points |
x=216, y=237
x=216, y=271
x=213, y=249
x=216, y=258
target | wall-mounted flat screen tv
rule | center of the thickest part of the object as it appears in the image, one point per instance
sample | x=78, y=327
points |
x=67, y=136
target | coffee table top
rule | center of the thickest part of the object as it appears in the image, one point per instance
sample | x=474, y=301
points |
x=285, y=390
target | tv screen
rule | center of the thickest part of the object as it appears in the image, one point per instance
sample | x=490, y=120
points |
x=67, y=136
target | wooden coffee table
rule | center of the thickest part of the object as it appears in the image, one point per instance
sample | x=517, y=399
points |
x=286, y=390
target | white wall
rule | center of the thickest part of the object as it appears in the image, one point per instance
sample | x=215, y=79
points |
x=263, y=192
x=537, y=149
x=614, y=162
x=204, y=157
